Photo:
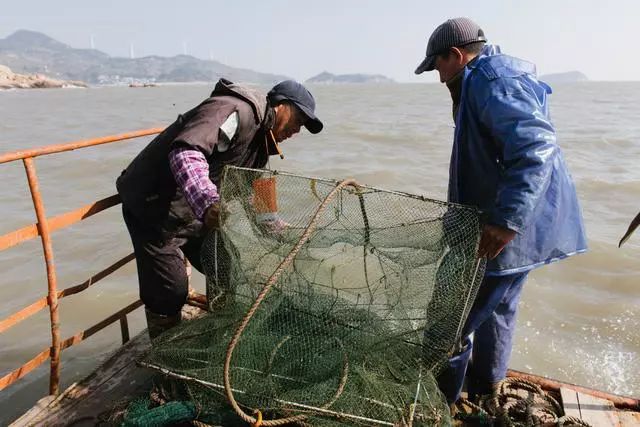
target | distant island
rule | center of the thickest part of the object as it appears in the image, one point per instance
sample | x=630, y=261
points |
x=29, y=52
x=328, y=78
x=568, y=77
x=11, y=80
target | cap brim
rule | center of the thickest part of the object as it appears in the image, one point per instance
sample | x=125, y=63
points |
x=428, y=64
x=313, y=123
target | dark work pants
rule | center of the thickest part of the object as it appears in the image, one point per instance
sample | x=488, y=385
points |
x=492, y=321
x=162, y=273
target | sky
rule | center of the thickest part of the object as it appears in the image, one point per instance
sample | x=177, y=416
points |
x=302, y=38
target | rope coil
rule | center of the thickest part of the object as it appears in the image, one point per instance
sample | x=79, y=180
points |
x=513, y=409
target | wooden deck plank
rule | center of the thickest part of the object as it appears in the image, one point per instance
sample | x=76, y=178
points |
x=570, y=402
x=598, y=412
x=33, y=413
x=118, y=379
x=629, y=419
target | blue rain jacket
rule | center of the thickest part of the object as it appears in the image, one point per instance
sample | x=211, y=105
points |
x=506, y=161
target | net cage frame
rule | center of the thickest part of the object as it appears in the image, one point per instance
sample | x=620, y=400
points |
x=477, y=272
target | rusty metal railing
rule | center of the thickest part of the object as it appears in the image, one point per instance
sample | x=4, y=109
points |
x=43, y=228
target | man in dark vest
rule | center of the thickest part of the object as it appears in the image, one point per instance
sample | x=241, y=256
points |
x=170, y=190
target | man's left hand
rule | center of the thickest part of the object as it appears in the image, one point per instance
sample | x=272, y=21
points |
x=212, y=216
x=493, y=240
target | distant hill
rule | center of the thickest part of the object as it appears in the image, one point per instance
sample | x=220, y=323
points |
x=30, y=52
x=568, y=77
x=326, y=77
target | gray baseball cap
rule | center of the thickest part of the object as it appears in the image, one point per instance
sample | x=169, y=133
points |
x=452, y=33
x=293, y=91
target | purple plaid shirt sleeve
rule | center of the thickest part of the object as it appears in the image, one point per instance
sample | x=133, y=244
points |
x=191, y=172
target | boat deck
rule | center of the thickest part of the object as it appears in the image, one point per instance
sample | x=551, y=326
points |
x=119, y=380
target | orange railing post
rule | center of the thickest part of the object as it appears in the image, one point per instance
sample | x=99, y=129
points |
x=43, y=226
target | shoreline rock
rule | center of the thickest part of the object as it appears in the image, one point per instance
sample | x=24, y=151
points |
x=11, y=80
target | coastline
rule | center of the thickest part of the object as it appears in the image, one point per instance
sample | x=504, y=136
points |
x=10, y=80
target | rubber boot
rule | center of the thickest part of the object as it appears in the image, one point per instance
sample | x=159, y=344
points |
x=158, y=323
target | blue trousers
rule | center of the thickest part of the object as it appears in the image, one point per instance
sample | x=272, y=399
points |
x=491, y=321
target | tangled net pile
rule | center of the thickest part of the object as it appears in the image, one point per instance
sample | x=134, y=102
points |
x=330, y=304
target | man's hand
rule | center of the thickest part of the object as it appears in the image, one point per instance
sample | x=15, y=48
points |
x=212, y=217
x=276, y=226
x=493, y=240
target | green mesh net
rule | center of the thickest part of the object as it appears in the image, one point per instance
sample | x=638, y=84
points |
x=357, y=323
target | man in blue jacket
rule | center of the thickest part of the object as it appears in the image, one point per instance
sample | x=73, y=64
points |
x=505, y=161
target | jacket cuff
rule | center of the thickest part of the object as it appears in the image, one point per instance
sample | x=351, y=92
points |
x=504, y=223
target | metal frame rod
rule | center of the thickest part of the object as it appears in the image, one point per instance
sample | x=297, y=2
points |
x=324, y=411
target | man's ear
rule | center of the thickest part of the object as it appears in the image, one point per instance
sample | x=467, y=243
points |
x=277, y=109
x=458, y=55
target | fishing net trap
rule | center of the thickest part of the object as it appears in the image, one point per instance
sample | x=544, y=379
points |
x=330, y=303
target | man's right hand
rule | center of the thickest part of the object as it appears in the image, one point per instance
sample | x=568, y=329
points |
x=212, y=217
x=493, y=240
x=274, y=227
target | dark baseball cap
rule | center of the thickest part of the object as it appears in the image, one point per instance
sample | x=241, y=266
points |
x=452, y=33
x=291, y=90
